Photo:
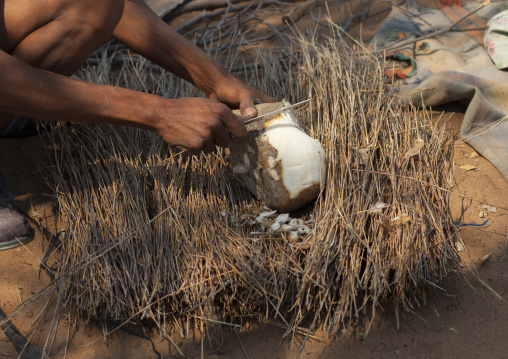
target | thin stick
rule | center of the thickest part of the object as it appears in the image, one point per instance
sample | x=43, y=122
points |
x=241, y=344
x=404, y=43
x=207, y=15
x=25, y=349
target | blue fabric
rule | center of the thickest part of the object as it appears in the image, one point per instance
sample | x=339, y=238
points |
x=21, y=126
x=5, y=197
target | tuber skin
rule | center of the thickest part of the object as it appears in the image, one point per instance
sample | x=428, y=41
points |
x=279, y=163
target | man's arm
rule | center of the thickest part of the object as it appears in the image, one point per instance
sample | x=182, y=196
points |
x=29, y=91
x=143, y=31
x=194, y=125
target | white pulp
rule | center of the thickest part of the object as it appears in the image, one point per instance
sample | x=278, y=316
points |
x=302, y=157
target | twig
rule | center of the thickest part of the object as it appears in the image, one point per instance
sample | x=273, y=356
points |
x=412, y=14
x=296, y=13
x=403, y=43
x=207, y=15
x=25, y=349
x=197, y=5
x=470, y=29
x=241, y=344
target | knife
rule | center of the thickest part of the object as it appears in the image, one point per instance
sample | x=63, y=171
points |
x=275, y=112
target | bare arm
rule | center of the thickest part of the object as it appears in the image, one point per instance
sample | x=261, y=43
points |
x=143, y=31
x=193, y=124
x=32, y=92
x=29, y=91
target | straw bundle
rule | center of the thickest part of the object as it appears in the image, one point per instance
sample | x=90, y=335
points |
x=155, y=233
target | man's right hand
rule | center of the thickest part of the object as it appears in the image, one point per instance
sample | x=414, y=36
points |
x=192, y=124
x=197, y=124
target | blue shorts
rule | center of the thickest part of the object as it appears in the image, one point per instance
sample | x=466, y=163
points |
x=21, y=126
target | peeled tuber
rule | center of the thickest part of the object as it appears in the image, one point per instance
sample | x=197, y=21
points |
x=278, y=162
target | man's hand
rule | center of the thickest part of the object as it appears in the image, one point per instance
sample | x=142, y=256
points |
x=143, y=31
x=237, y=94
x=191, y=124
x=198, y=124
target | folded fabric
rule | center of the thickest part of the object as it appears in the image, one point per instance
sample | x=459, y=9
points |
x=461, y=51
x=485, y=123
x=163, y=7
x=455, y=66
x=496, y=39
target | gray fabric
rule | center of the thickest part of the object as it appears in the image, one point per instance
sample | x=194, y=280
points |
x=455, y=67
x=485, y=124
x=14, y=228
x=163, y=7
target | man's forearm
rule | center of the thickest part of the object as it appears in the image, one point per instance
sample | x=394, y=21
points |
x=143, y=31
x=26, y=90
x=192, y=124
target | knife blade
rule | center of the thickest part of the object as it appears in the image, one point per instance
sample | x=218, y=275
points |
x=257, y=118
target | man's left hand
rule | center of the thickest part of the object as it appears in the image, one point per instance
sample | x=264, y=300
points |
x=237, y=95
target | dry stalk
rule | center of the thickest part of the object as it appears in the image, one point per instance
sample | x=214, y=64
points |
x=156, y=234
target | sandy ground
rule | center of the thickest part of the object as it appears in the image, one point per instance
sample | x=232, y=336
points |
x=462, y=319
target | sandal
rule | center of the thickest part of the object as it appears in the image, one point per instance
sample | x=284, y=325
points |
x=14, y=228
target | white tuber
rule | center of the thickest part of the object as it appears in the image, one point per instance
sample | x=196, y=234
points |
x=278, y=162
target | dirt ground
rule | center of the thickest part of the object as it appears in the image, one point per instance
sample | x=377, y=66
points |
x=461, y=319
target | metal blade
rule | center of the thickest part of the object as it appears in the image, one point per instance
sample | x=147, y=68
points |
x=275, y=112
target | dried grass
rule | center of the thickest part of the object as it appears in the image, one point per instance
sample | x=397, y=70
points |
x=155, y=233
